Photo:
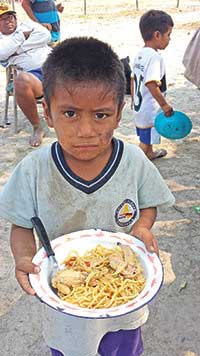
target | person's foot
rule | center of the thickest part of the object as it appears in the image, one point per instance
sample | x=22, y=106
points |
x=37, y=136
x=157, y=154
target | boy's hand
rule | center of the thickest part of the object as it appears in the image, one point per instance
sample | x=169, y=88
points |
x=24, y=266
x=145, y=235
x=60, y=7
x=168, y=110
x=47, y=25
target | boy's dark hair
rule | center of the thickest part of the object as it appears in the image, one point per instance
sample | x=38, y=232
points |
x=83, y=59
x=154, y=20
x=127, y=71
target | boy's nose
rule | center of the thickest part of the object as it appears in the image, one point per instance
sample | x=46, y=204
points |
x=86, y=128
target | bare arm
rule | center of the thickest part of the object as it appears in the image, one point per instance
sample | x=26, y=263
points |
x=27, y=7
x=142, y=228
x=23, y=247
x=156, y=93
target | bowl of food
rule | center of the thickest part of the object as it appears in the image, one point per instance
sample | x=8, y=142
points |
x=173, y=127
x=102, y=274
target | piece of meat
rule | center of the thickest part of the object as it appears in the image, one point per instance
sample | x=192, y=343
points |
x=62, y=288
x=69, y=278
x=130, y=271
x=117, y=262
x=128, y=254
x=130, y=267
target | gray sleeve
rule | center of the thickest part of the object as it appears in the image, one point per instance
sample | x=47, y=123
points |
x=17, y=203
x=153, y=190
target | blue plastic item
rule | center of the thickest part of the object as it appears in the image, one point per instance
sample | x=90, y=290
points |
x=173, y=127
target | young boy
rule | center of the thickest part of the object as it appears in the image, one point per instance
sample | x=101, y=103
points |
x=84, y=180
x=148, y=83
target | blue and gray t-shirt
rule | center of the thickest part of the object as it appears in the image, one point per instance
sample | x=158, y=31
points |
x=45, y=11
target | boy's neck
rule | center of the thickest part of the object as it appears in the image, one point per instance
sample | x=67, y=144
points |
x=88, y=170
x=151, y=44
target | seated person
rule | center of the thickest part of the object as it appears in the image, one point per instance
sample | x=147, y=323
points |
x=25, y=45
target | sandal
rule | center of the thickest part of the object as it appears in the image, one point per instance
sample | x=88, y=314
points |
x=158, y=154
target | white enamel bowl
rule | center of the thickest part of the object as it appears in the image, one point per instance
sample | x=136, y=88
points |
x=85, y=240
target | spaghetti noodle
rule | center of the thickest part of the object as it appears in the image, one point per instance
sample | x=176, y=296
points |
x=101, y=278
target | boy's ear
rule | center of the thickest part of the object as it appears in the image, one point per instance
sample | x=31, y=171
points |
x=47, y=114
x=119, y=116
x=156, y=35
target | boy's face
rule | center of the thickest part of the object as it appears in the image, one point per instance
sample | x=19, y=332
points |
x=163, y=39
x=84, y=117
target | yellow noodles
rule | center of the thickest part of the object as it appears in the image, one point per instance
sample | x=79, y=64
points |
x=102, y=278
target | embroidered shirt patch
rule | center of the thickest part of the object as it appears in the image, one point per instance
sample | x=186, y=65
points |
x=125, y=213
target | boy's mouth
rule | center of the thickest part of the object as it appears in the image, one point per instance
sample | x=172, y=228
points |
x=85, y=147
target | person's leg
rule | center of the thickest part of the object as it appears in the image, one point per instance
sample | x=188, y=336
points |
x=147, y=149
x=121, y=343
x=155, y=140
x=148, y=137
x=145, y=140
x=56, y=352
x=27, y=89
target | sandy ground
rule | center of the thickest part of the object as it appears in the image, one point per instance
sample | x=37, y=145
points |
x=174, y=324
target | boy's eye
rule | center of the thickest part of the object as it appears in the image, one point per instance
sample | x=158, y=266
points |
x=100, y=115
x=70, y=113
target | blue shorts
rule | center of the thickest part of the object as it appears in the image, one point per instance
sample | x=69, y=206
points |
x=37, y=73
x=118, y=343
x=148, y=136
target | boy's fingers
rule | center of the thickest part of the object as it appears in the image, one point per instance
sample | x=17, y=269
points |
x=48, y=26
x=152, y=246
x=23, y=280
x=23, y=268
x=27, y=266
x=169, y=112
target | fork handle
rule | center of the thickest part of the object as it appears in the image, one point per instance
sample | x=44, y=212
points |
x=42, y=234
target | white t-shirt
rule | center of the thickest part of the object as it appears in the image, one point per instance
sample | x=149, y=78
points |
x=27, y=53
x=43, y=185
x=148, y=66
